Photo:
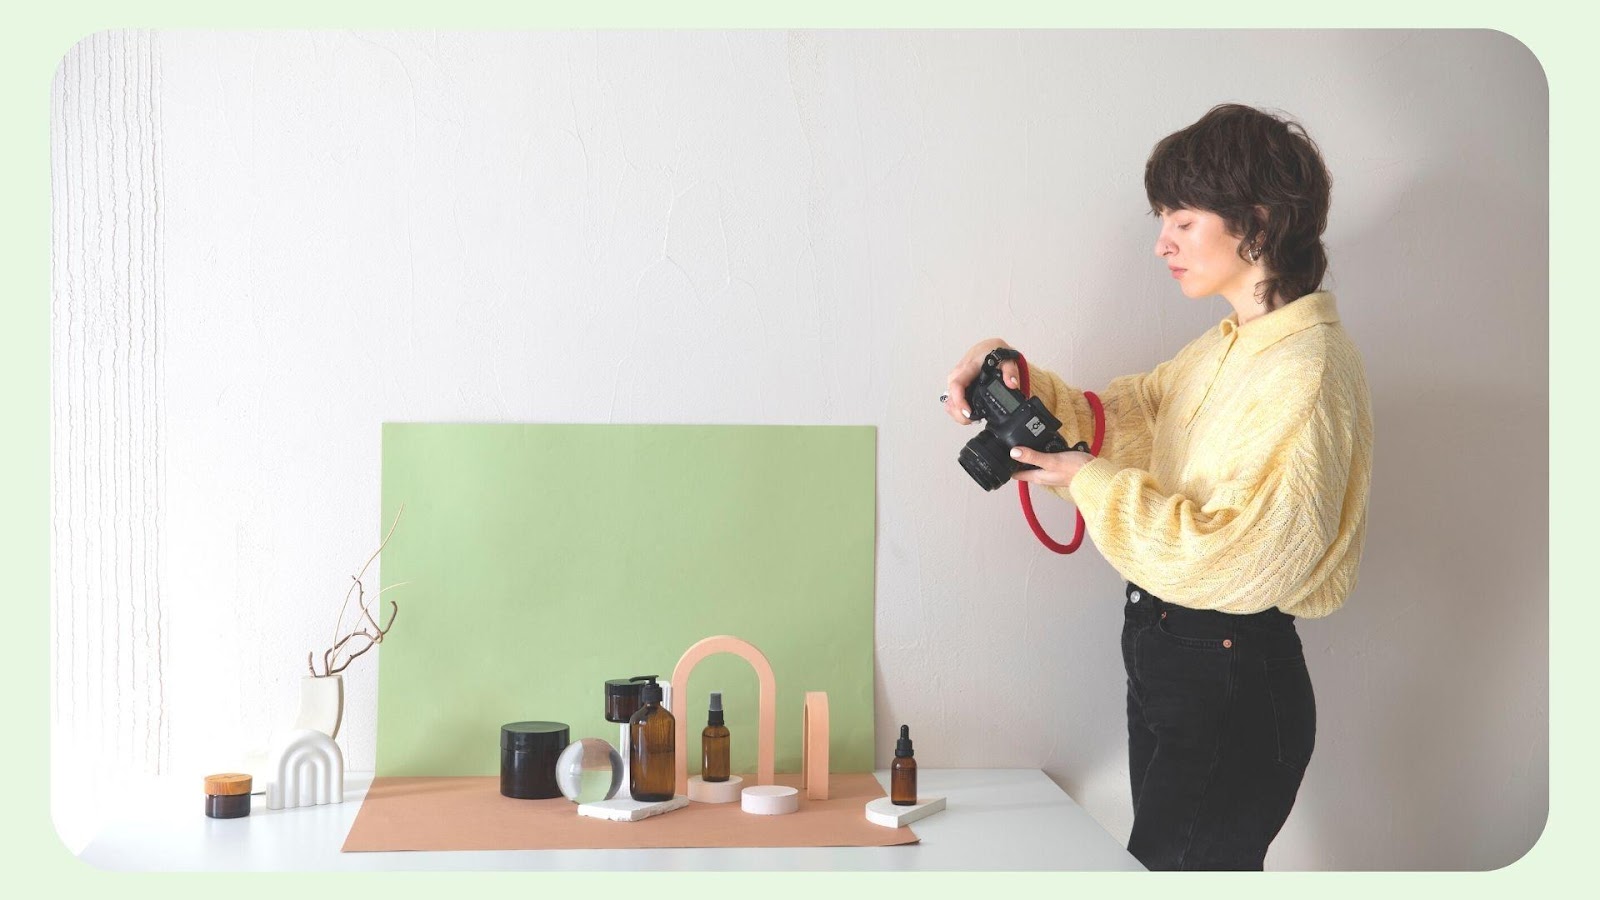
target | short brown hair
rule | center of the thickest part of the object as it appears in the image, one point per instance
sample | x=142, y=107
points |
x=1236, y=158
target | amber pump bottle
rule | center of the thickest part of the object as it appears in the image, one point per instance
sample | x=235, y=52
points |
x=652, y=757
x=903, y=772
x=714, y=744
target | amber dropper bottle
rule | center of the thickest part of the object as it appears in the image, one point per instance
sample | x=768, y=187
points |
x=903, y=772
x=714, y=744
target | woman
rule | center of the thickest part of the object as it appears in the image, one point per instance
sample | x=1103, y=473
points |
x=1231, y=491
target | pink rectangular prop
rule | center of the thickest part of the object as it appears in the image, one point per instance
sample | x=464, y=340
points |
x=814, y=745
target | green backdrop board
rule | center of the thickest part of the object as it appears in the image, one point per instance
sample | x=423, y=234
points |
x=541, y=560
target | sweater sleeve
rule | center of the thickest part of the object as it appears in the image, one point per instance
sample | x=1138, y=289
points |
x=1130, y=404
x=1264, y=537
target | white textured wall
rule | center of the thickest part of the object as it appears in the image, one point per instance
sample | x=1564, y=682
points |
x=109, y=641
x=267, y=244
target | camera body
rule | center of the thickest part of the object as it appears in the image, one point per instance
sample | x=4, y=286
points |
x=1010, y=419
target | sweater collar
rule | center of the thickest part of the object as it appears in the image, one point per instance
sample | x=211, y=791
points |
x=1264, y=331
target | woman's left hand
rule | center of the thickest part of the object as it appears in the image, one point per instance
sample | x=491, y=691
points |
x=1055, y=469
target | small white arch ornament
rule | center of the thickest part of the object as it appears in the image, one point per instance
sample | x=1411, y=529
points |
x=306, y=769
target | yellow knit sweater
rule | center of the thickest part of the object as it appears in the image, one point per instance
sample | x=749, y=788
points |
x=1235, y=475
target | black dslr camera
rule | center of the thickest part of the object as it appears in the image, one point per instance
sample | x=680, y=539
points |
x=1009, y=420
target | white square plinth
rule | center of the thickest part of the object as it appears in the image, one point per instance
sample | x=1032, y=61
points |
x=620, y=810
x=882, y=811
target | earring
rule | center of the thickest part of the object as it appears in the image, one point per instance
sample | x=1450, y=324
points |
x=1255, y=254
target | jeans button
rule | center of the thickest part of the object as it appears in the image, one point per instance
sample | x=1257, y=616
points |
x=1134, y=596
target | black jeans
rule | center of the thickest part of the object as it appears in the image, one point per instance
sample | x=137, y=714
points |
x=1221, y=722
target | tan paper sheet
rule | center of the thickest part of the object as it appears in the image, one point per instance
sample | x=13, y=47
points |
x=468, y=813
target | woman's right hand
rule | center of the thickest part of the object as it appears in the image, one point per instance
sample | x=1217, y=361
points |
x=955, y=401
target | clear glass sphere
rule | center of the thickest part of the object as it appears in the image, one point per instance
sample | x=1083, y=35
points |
x=589, y=770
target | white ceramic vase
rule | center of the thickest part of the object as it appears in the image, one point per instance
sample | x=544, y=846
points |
x=321, y=703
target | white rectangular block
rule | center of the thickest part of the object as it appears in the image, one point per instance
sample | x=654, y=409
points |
x=882, y=811
x=620, y=810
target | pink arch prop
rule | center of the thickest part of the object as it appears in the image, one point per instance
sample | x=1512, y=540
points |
x=767, y=728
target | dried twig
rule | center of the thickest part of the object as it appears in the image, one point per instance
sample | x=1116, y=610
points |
x=356, y=578
x=371, y=630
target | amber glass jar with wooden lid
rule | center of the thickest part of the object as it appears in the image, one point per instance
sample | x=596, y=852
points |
x=228, y=795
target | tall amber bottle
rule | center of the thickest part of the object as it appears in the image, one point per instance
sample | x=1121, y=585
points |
x=652, y=756
x=903, y=772
x=714, y=744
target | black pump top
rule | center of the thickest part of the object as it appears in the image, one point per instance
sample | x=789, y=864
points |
x=715, y=717
x=903, y=746
x=650, y=692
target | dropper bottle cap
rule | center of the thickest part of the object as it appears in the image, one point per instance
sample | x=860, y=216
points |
x=715, y=717
x=903, y=746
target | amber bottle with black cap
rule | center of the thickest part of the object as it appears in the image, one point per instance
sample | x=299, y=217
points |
x=903, y=772
x=652, y=744
x=714, y=744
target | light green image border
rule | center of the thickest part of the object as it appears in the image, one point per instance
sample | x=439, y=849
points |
x=33, y=40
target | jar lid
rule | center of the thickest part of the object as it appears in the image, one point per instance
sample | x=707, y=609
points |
x=624, y=687
x=534, y=736
x=228, y=784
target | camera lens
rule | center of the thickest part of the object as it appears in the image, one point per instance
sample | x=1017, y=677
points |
x=987, y=460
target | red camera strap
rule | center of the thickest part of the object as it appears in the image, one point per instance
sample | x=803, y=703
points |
x=1094, y=450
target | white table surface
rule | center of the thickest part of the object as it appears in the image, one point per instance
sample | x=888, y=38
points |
x=995, y=819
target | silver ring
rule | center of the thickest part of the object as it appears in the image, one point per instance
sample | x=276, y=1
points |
x=944, y=398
